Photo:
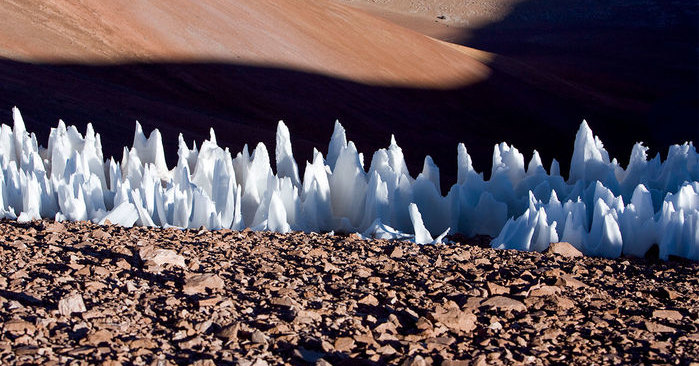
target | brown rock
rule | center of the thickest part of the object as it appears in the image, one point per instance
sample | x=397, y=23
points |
x=329, y=267
x=258, y=337
x=26, y=351
x=123, y=264
x=456, y=363
x=18, y=326
x=142, y=343
x=564, y=249
x=161, y=256
x=19, y=245
x=363, y=272
x=667, y=314
x=211, y=301
x=99, y=337
x=495, y=289
x=203, y=327
x=100, y=234
x=423, y=324
x=55, y=227
x=567, y=280
x=307, y=317
x=19, y=274
x=369, y=300
x=283, y=301
x=191, y=343
x=94, y=286
x=72, y=303
x=230, y=332
x=505, y=303
x=563, y=302
x=658, y=328
x=101, y=271
x=415, y=361
x=387, y=350
x=453, y=318
x=210, y=362
x=344, y=344
x=199, y=283
x=545, y=291
x=660, y=346
x=397, y=253
x=473, y=303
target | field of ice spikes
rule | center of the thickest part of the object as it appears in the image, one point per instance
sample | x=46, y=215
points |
x=602, y=208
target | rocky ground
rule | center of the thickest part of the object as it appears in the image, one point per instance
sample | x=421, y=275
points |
x=77, y=293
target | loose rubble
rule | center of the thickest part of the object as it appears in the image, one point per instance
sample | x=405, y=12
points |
x=79, y=293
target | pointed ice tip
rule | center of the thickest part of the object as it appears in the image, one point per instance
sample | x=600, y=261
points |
x=585, y=127
x=554, y=197
x=283, y=136
x=212, y=136
x=89, y=131
x=17, y=116
x=138, y=127
x=393, y=140
x=338, y=129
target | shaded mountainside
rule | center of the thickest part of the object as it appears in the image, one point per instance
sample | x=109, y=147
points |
x=244, y=103
x=81, y=292
x=241, y=66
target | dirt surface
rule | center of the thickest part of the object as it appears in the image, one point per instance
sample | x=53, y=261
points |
x=79, y=293
x=319, y=36
x=450, y=20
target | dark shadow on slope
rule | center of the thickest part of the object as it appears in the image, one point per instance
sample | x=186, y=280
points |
x=243, y=104
x=633, y=62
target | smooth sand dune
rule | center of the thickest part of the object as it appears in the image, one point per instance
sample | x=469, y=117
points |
x=315, y=36
x=466, y=13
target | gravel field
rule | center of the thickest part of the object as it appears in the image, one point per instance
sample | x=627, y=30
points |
x=78, y=293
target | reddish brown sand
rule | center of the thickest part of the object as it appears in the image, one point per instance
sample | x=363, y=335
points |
x=315, y=36
x=78, y=293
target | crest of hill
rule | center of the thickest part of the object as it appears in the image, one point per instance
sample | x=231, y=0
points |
x=315, y=36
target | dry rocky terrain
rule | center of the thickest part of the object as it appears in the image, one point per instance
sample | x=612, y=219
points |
x=78, y=293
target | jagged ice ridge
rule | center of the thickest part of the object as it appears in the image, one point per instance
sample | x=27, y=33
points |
x=602, y=209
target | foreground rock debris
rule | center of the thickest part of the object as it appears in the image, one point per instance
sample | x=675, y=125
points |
x=83, y=293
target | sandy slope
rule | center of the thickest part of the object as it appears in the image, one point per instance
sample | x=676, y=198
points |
x=240, y=66
x=318, y=36
x=464, y=13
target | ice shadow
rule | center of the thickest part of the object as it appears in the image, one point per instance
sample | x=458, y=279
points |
x=637, y=61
